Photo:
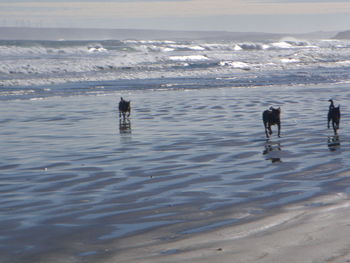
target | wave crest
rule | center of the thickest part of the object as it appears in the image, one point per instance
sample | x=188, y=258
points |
x=235, y=64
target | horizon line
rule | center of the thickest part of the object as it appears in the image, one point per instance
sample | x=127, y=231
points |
x=167, y=30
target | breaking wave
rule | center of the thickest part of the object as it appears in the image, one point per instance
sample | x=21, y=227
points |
x=29, y=63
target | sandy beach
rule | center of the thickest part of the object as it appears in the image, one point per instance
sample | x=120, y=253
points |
x=296, y=234
x=190, y=177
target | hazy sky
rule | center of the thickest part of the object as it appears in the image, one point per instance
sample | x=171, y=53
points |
x=290, y=16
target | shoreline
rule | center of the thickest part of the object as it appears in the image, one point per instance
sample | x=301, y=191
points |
x=300, y=233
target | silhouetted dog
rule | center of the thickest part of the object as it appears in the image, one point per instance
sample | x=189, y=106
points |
x=124, y=107
x=334, y=116
x=272, y=117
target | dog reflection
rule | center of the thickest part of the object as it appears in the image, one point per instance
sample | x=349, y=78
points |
x=269, y=149
x=333, y=143
x=124, y=126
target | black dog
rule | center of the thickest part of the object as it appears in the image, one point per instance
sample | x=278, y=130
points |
x=124, y=107
x=272, y=117
x=334, y=116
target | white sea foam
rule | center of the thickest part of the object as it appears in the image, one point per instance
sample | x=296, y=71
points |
x=187, y=47
x=281, y=45
x=189, y=58
x=252, y=46
x=23, y=63
x=237, y=48
x=97, y=49
x=219, y=46
x=40, y=50
x=343, y=63
x=235, y=64
x=289, y=60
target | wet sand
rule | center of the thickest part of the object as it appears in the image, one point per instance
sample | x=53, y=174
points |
x=296, y=234
x=189, y=177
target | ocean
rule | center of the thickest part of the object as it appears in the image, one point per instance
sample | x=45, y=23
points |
x=28, y=69
x=76, y=181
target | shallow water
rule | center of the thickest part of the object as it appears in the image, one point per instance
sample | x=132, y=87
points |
x=74, y=177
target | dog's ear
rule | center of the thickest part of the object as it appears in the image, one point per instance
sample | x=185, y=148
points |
x=279, y=109
x=271, y=108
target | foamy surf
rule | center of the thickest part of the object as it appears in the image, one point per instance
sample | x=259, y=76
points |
x=27, y=63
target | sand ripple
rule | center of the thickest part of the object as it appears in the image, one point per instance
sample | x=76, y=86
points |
x=74, y=178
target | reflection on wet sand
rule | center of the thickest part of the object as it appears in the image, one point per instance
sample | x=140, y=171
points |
x=333, y=143
x=270, y=149
x=124, y=126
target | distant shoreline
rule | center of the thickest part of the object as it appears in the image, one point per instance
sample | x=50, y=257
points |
x=31, y=33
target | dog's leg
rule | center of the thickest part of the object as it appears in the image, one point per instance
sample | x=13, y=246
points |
x=270, y=130
x=267, y=136
x=337, y=126
x=279, y=129
x=334, y=127
x=329, y=119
